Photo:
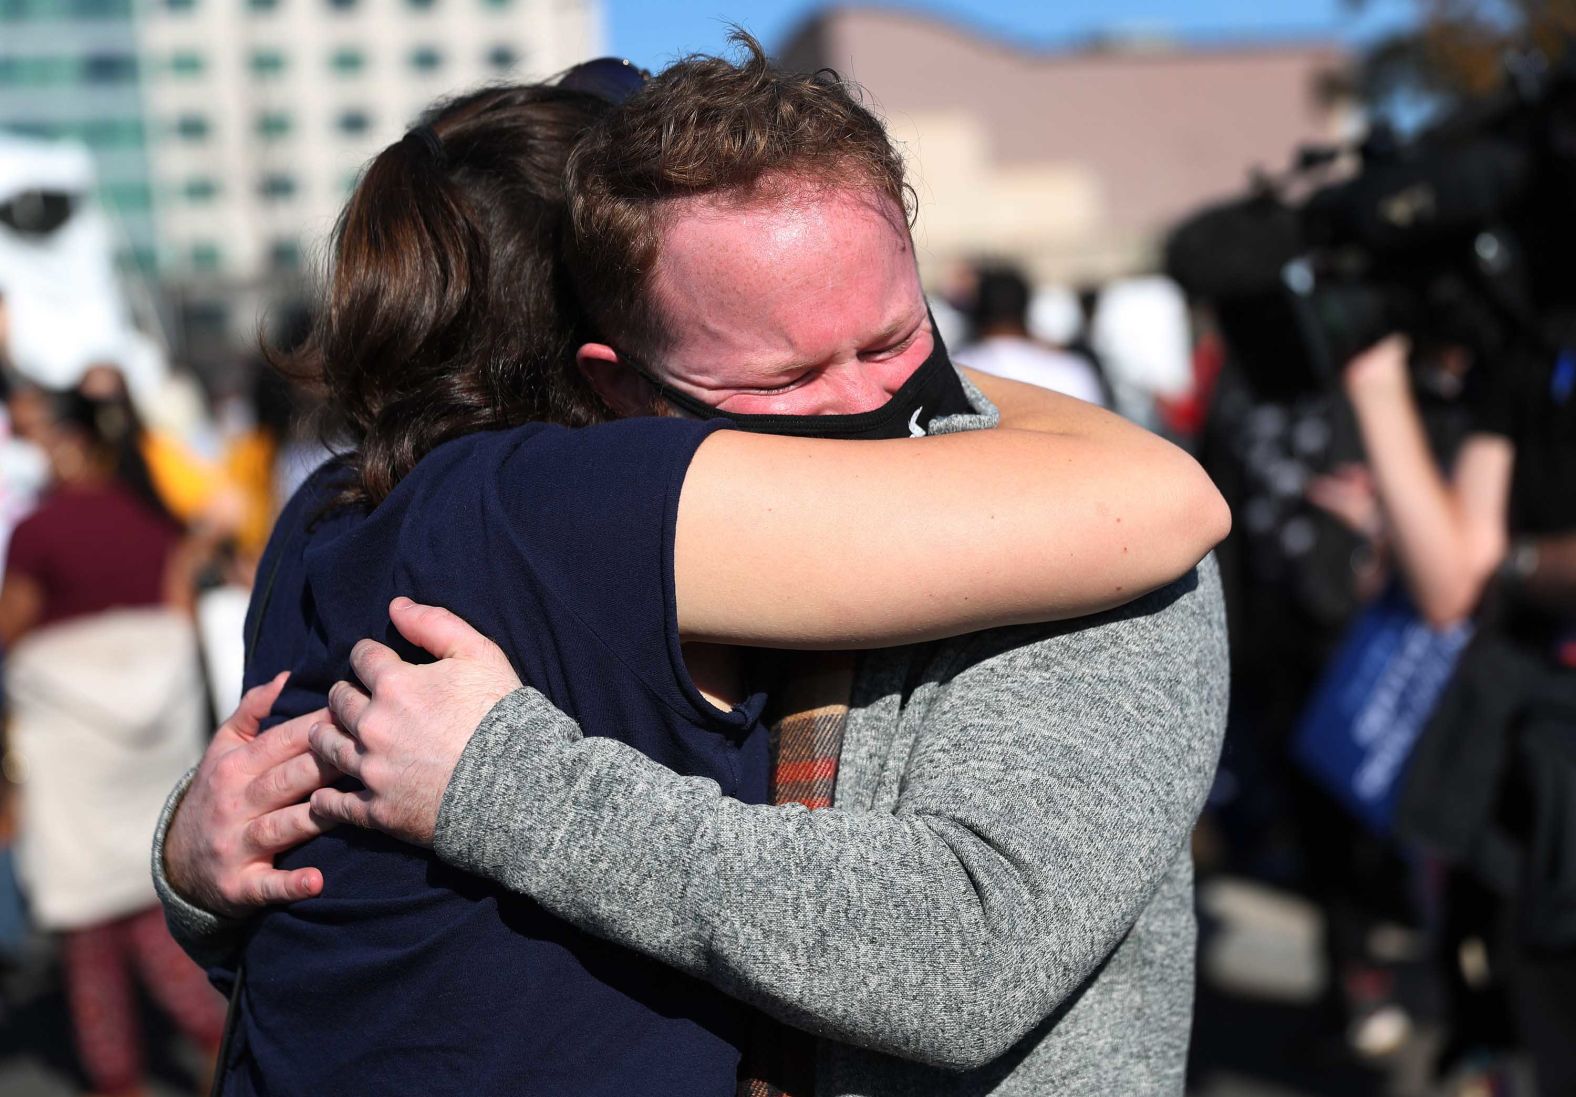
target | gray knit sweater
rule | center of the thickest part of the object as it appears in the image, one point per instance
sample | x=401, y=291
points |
x=1000, y=901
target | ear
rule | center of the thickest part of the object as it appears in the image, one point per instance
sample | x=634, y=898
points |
x=619, y=385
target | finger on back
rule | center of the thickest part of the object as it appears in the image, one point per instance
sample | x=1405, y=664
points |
x=346, y=703
x=277, y=831
x=273, y=885
x=256, y=704
x=354, y=808
x=335, y=748
x=436, y=629
x=290, y=782
x=283, y=741
x=372, y=660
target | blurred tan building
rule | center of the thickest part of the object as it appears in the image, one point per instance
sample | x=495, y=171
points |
x=1072, y=163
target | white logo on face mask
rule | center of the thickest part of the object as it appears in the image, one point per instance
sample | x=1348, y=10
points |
x=914, y=429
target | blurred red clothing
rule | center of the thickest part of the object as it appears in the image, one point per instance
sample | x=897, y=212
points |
x=91, y=549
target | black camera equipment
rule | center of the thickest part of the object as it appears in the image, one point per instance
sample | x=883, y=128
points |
x=1463, y=235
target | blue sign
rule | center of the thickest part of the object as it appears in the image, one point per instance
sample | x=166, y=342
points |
x=1372, y=703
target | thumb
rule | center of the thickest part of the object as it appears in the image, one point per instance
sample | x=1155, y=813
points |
x=438, y=631
x=256, y=704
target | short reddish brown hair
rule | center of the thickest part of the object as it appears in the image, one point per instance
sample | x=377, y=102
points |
x=708, y=126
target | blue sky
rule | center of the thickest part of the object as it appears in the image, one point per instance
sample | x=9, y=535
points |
x=653, y=32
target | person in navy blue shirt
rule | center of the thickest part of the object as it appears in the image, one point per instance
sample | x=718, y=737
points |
x=609, y=561
x=559, y=541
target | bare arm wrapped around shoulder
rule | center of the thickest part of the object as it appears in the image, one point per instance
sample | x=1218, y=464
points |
x=1064, y=510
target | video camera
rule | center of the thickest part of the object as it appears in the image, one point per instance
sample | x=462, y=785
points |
x=1463, y=235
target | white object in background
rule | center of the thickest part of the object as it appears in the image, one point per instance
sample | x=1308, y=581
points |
x=106, y=714
x=1141, y=332
x=64, y=308
x=221, y=630
x=1019, y=359
x=950, y=324
x=1054, y=316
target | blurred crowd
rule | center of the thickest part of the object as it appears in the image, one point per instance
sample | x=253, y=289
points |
x=132, y=531
x=1400, y=590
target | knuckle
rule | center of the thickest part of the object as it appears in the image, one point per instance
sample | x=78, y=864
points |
x=396, y=683
x=230, y=805
x=373, y=727
x=270, y=786
x=227, y=767
x=260, y=832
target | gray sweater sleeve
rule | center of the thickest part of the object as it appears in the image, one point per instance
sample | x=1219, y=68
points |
x=213, y=941
x=1055, y=776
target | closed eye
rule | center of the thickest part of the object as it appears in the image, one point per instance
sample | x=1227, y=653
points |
x=892, y=350
x=786, y=387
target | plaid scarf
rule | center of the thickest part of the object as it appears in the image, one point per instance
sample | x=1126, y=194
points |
x=807, y=721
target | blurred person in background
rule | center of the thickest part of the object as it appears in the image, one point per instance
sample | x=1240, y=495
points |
x=1496, y=537
x=1295, y=575
x=192, y=488
x=101, y=679
x=254, y=461
x=1003, y=347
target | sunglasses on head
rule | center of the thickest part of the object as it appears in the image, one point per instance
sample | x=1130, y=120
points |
x=610, y=78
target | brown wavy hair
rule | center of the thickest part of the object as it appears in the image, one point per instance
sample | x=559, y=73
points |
x=706, y=126
x=448, y=309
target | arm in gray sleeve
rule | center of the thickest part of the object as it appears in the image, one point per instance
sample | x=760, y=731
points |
x=1055, y=778
x=211, y=940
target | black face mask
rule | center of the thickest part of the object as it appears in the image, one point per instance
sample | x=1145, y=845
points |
x=933, y=392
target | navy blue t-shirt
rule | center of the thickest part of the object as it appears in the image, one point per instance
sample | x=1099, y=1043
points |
x=406, y=975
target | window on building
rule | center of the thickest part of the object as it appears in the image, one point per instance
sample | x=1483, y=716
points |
x=503, y=58
x=110, y=133
x=284, y=255
x=48, y=131
x=206, y=256
x=353, y=123
x=262, y=5
x=426, y=59
x=200, y=189
x=187, y=63
x=497, y=3
x=192, y=127
x=273, y=124
x=342, y=5
x=203, y=319
x=422, y=5
x=85, y=9
x=277, y=186
x=142, y=258
x=267, y=62
x=180, y=5
x=127, y=197
x=347, y=61
x=109, y=68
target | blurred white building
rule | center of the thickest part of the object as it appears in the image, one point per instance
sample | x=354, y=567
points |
x=227, y=133
x=267, y=109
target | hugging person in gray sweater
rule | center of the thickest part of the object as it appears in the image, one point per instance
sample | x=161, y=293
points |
x=993, y=894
